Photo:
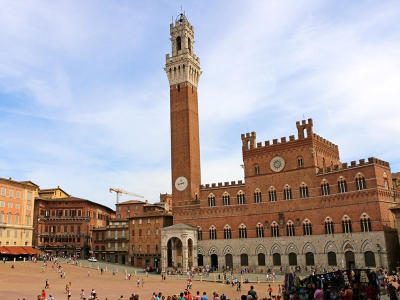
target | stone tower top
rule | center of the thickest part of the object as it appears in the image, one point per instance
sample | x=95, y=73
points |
x=183, y=65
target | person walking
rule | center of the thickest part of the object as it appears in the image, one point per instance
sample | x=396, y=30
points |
x=82, y=294
x=252, y=293
x=43, y=295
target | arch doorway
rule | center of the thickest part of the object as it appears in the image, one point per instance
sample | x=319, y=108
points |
x=178, y=247
x=200, y=261
x=350, y=259
x=229, y=261
x=174, y=250
x=214, y=262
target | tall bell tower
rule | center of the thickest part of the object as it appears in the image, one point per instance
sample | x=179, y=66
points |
x=183, y=71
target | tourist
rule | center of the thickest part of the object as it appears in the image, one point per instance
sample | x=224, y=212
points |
x=252, y=293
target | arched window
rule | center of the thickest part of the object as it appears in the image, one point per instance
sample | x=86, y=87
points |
x=227, y=232
x=242, y=231
x=276, y=259
x=300, y=162
x=365, y=222
x=342, y=185
x=346, y=225
x=287, y=193
x=257, y=196
x=303, y=191
x=260, y=230
x=360, y=182
x=178, y=43
x=211, y=200
x=290, y=231
x=256, y=170
x=189, y=45
x=310, y=259
x=272, y=194
x=307, y=228
x=199, y=234
x=226, y=200
x=332, y=259
x=329, y=228
x=325, y=188
x=274, y=229
x=240, y=198
x=213, y=233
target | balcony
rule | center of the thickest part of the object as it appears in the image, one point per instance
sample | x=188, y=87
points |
x=64, y=218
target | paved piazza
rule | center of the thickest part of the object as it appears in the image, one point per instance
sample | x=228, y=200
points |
x=27, y=280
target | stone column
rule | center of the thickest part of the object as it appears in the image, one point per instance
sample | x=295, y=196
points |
x=185, y=259
x=164, y=258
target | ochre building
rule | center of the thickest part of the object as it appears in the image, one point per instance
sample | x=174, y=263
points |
x=298, y=204
x=16, y=212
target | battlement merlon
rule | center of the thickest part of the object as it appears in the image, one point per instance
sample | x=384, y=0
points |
x=249, y=140
x=325, y=141
x=304, y=126
x=218, y=185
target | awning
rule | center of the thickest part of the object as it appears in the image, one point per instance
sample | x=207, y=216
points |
x=15, y=250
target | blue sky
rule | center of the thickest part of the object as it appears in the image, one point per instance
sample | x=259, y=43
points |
x=84, y=100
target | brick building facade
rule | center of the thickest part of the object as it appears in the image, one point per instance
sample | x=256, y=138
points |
x=64, y=224
x=298, y=204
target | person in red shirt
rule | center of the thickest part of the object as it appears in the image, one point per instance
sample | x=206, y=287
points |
x=348, y=293
x=43, y=295
x=371, y=292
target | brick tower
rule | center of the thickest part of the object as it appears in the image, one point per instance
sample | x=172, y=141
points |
x=183, y=71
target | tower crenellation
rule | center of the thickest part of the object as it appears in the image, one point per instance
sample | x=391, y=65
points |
x=183, y=65
x=304, y=127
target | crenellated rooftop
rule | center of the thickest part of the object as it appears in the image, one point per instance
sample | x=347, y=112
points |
x=354, y=164
x=220, y=184
x=304, y=129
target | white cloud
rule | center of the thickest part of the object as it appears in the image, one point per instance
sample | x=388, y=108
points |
x=85, y=101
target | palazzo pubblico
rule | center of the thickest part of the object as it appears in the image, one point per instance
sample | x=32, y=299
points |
x=298, y=204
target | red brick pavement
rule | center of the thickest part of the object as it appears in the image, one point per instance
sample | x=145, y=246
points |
x=27, y=280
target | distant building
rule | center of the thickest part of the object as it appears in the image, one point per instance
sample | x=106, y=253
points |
x=111, y=243
x=298, y=204
x=145, y=233
x=133, y=238
x=64, y=223
x=16, y=212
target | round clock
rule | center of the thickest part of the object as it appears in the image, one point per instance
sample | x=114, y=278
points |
x=181, y=183
x=277, y=164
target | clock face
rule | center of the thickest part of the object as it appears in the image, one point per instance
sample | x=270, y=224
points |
x=181, y=183
x=277, y=164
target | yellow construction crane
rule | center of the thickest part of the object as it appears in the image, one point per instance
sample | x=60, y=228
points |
x=119, y=192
